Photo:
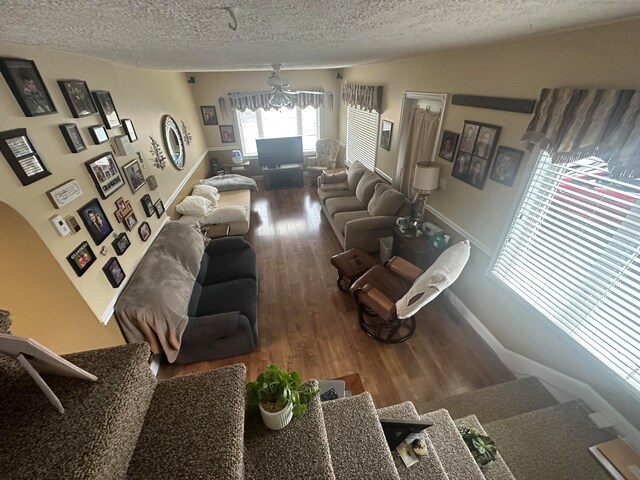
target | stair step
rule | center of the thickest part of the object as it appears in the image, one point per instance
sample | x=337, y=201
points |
x=194, y=428
x=550, y=443
x=497, y=401
x=299, y=450
x=496, y=470
x=430, y=466
x=453, y=452
x=358, y=447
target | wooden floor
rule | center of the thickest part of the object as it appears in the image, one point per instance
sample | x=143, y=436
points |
x=307, y=324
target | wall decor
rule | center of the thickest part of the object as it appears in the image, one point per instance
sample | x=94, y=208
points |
x=95, y=220
x=506, y=165
x=127, y=123
x=98, y=134
x=121, y=243
x=73, y=224
x=479, y=138
x=152, y=182
x=107, y=108
x=81, y=258
x=130, y=221
x=173, y=142
x=78, y=97
x=147, y=205
x=385, y=134
x=65, y=193
x=123, y=209
x=227, y=135
x=209, y=115
x=105, y=174
x=72, y=136
x=159, y=207
x=159, y=160
x=134, y=175
x=471, y=169
x=186, y=135
x=144, y=231
x=22, y=157
x=518, y=105
x=27, y=86
x=448, y=145
x=122, y=147
x=104, y=250
x=113, y=271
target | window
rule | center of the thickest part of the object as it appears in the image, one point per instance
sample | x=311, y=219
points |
x=362, y=136
x=572, y=254
x=278, y=123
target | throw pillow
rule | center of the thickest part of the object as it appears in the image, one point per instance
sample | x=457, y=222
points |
x=196, y=206
x=335, y=178
x=356, y=170
x=232, y=214
x=386, y=201
x=207, y=191
x=364, y=190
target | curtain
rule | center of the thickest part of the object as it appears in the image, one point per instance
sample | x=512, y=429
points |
x=423, y=126
x=575, y=123
x=256, y=100
x=366, y=97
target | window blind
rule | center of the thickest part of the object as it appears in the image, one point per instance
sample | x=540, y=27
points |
x=362, y=136
x=572, y=253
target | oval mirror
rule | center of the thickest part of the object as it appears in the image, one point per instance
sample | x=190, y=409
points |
x=173, y=142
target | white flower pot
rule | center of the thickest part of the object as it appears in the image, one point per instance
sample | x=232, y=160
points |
x=278, y=420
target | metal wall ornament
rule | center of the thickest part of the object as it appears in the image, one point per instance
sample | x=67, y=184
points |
x=186, y=136
x=173, y=142
x=159, y=159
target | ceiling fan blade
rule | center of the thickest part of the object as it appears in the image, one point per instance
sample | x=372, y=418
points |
x=244, y=94
x=310, y=92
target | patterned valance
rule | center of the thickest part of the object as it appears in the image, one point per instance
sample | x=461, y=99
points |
x=256, y=100
x=575, y=123
x=366, y=97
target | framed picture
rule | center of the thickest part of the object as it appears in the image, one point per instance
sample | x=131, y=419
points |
x=209, y=115
x=105, y=174
x=107, y=108
x=121, y=243
x=469, y=136
x=144, y=231
x=385, y=134
x=478, y=171
x=130, y=221
x=123, y=209
x=64, y=193
x=78, y=97
x=487, y=141
x=506, y=165
x=127, y=123
x=95, y=220
x=134, y=175
x=159, y=207
x=27, y=86
x=227, y=134
x=461, y=165
x=113, y=271
x=72, y=136
x=81, y=258
x=98, y=134
x=448, y=145
x=22, y=157
x=147, y=205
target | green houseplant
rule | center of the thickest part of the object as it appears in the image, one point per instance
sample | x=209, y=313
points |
x=279, y=395
x=481, y=446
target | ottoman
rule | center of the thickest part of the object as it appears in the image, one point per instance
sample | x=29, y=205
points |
x=351, y=265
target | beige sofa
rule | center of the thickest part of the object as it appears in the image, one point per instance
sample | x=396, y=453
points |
x=361, y=207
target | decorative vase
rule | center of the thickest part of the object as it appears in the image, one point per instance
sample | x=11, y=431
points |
x=277, y=420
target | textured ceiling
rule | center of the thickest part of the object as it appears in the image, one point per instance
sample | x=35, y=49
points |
x=192, y=35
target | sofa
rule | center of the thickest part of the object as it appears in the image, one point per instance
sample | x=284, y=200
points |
x=192, y=298
x=361, y=207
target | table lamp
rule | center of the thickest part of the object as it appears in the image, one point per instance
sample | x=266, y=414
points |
x=425, y=182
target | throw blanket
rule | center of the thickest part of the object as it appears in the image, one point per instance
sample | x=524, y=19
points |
x=226, y=183
x=154, y=305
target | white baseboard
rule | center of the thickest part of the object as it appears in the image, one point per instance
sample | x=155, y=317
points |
x=561, y=386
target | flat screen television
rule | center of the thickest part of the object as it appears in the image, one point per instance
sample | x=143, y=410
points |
x=279, y=151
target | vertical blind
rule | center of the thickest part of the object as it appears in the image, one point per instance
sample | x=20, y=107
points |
x=362, y=136
x=572, y=253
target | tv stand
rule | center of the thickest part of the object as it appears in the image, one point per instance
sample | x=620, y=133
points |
x=283, y=176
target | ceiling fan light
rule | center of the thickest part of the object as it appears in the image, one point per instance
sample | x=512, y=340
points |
x=279, y=99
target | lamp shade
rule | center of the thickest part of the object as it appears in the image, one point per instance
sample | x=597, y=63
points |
x=426, y=177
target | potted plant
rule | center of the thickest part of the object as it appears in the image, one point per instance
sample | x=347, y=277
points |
x=279, y=396
x=481, y=446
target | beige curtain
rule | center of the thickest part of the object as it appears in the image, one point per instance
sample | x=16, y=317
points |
x=423, y=126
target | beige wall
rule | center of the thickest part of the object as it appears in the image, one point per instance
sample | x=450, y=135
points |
x=142, y=95
x=595, y=57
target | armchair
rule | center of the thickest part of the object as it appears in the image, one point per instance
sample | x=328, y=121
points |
x=388, y=296
x=327, y=150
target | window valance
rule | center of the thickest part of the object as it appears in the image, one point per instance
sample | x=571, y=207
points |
x=366, y=97
x=574, y=123
x=256, y=100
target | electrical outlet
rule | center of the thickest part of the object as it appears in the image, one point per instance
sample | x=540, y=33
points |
x=600, y=420
x=442, y=184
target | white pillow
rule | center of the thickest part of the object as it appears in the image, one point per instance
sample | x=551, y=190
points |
x=190, y=220
x=207, y=191
x=196, y=206
x=226, y=215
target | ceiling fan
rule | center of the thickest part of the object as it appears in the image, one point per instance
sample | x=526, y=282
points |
x=280, y=94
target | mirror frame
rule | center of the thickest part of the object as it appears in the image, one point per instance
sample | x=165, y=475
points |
x=176, y=155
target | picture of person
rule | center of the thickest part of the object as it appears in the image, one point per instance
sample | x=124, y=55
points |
x=113, y=271
x=476, y=172
x=107, y=108
x=96, y=221
x=81, y=258
x=226, y=134
x=130, y=221
x=448, y=145
x=27, y=86
x=209, y=115
x=35, y=99
x=484, y=145
x=76, y=93
x=144, y=231
x=469, y=135
x=134, y=175
x=105, y=174
x=461, y=166
x=506, y=165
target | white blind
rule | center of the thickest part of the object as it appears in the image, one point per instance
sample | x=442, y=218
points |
x=572, y=253
x=278, y=123
x=362, y=136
